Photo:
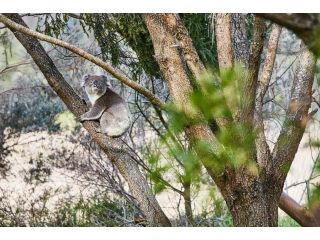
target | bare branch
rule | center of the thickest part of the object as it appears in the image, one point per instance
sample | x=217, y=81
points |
x=296, y=116
x=305, y=217
x=194, y=63
x=21, y=89
x=173, y=70
x=266, y=74
x=32, y=14
x=297, y=22
x=76, y=15
x=240, y=38
x=117, y=74
x=263, y=151
x=224, y=40
x=9, y=67
x=246, y=111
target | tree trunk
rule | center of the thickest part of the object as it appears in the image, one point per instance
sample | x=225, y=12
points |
x=255, y=211
x=245, y=195
x=253, y=202
x=115, y=149
x=174, y=71
x=240, y=39
x=223, y=33
x=187, y=203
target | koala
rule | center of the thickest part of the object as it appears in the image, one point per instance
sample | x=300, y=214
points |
x=108, y=106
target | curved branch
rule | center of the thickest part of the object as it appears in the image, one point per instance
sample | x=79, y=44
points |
x=117, y=74
x=305, y=25
x=305, y=217
x=297, y=22
x=114, y=148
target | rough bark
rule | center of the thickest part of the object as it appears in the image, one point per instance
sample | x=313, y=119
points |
x=263, y=151
x=296, y=118
x=223, y=33
x=240, y=39
x=266, y=73
x=305, y=217
x=249, y=84
x=249, y=199
x=260, y=196
x=174, y=24
x=301, y=215
x=173, y=69
x=115, y=149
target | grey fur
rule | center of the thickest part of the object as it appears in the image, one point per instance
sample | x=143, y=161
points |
x=108, y=106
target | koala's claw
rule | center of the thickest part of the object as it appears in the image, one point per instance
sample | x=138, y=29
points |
x=97, y=130
x=81, y=119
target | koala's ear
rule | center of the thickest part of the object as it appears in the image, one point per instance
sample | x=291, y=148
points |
x=83, y=80
x=106, y=79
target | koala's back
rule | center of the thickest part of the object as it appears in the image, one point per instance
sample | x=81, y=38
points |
x=116, y=118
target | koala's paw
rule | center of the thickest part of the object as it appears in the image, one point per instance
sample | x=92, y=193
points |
x=84, y=101
x=82, y=118
x=98, y=130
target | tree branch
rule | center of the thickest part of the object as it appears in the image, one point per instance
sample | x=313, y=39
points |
x=297, y=22
x=263, y=151
x=305, y=217
x=223, y=35
x=11, y=66
x=76, y=15
x=114, y=148
x=117, y=74
x=174, y=24
x=174, y=72
x=247, y=103
x=240, y=38
x=266, y=74
x=305, y=25
x=296, y=115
